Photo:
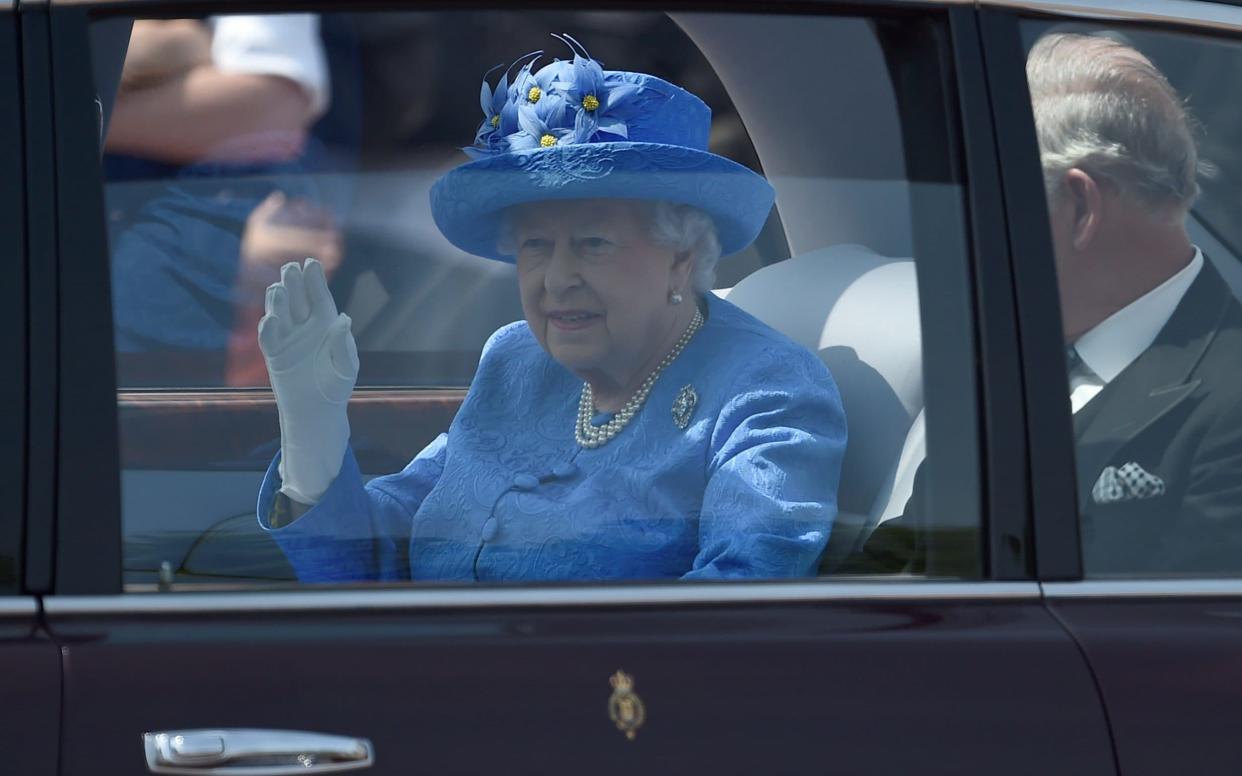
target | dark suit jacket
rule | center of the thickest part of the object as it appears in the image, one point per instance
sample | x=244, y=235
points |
x=1176, y=411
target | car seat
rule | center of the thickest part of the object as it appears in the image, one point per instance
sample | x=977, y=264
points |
x=859, y=312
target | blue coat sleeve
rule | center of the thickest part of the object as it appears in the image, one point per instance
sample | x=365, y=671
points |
x=775, y=465
x=356, y=532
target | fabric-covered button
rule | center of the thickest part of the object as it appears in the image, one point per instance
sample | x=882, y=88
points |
x=526, y=481
x=490, y=529
x=566, y=469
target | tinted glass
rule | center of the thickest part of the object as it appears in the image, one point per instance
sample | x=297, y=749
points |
x=528, y=358
x=1140, y=140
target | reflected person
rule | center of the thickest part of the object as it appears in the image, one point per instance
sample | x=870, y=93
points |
x=212, y=117
x=633, y=426
x=1153, y=333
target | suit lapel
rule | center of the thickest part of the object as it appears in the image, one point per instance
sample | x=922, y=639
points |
x=1156, y=382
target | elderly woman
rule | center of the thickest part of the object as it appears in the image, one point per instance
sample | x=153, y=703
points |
x=633, y=426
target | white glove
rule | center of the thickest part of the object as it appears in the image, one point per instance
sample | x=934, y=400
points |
x=313, y=363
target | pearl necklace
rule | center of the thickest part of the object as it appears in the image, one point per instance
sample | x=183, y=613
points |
x=592, y=436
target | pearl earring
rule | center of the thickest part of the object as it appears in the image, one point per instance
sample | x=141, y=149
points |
x=675, y=297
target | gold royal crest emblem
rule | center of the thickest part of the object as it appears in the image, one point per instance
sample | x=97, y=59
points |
x=625, y=708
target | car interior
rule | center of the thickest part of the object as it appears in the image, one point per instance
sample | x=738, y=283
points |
x=832, y=270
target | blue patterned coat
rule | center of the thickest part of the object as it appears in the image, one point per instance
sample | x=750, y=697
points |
x=747, y=489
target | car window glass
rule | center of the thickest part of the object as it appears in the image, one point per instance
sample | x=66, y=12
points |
x=513, y=232
x=1139, y=136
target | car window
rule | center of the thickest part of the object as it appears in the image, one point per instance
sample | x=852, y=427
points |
x=1139, y=137
x=515, y=356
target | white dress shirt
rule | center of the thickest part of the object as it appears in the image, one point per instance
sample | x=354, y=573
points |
x=1105, y=350
x=1115, y=342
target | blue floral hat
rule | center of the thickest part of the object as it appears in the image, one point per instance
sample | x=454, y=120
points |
x=572, y=130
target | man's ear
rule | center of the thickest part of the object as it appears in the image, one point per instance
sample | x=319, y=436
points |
x=1087, y=199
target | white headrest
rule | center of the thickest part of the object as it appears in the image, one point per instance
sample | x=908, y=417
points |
x=859, y=312
x=846, y=296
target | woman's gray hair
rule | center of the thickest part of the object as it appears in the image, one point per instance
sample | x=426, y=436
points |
x=683, y=228
x=687, y=229
x=1104, y=108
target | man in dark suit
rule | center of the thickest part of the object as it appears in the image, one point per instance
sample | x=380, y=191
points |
x=1153, y=334
x=1159, y=448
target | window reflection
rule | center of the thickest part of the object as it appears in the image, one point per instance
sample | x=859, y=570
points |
x=654, y=413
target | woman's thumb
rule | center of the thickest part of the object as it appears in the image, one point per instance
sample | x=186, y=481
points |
x=342, y=349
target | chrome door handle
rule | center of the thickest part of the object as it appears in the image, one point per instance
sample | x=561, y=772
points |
x=253, y=752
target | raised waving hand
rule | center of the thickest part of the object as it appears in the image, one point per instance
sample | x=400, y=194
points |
x=313, y=364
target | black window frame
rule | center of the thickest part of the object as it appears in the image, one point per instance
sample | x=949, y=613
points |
x=14, y=454
x=1051, y=478
x=87, y=506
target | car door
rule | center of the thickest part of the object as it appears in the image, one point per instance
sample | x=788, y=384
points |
x=1158, y=624
x=30, y=659
x=175, y=615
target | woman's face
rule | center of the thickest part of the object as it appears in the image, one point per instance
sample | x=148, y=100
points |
x=595, y=287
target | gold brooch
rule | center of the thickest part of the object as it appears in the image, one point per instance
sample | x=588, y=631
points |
x=683, y=406
x=625, y=708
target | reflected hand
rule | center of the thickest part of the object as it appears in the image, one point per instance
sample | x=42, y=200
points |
x=281, y=230
x=312, y=361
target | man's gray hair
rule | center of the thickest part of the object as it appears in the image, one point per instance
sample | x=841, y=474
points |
x=1104, y=108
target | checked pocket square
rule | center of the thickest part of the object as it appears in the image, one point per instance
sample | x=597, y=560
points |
x=1127, y=482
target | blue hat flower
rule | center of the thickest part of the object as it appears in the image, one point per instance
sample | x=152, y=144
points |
x=492, y=103
x=601, y=104
x=572, y=130
x=500, y=109
x=542, y=124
